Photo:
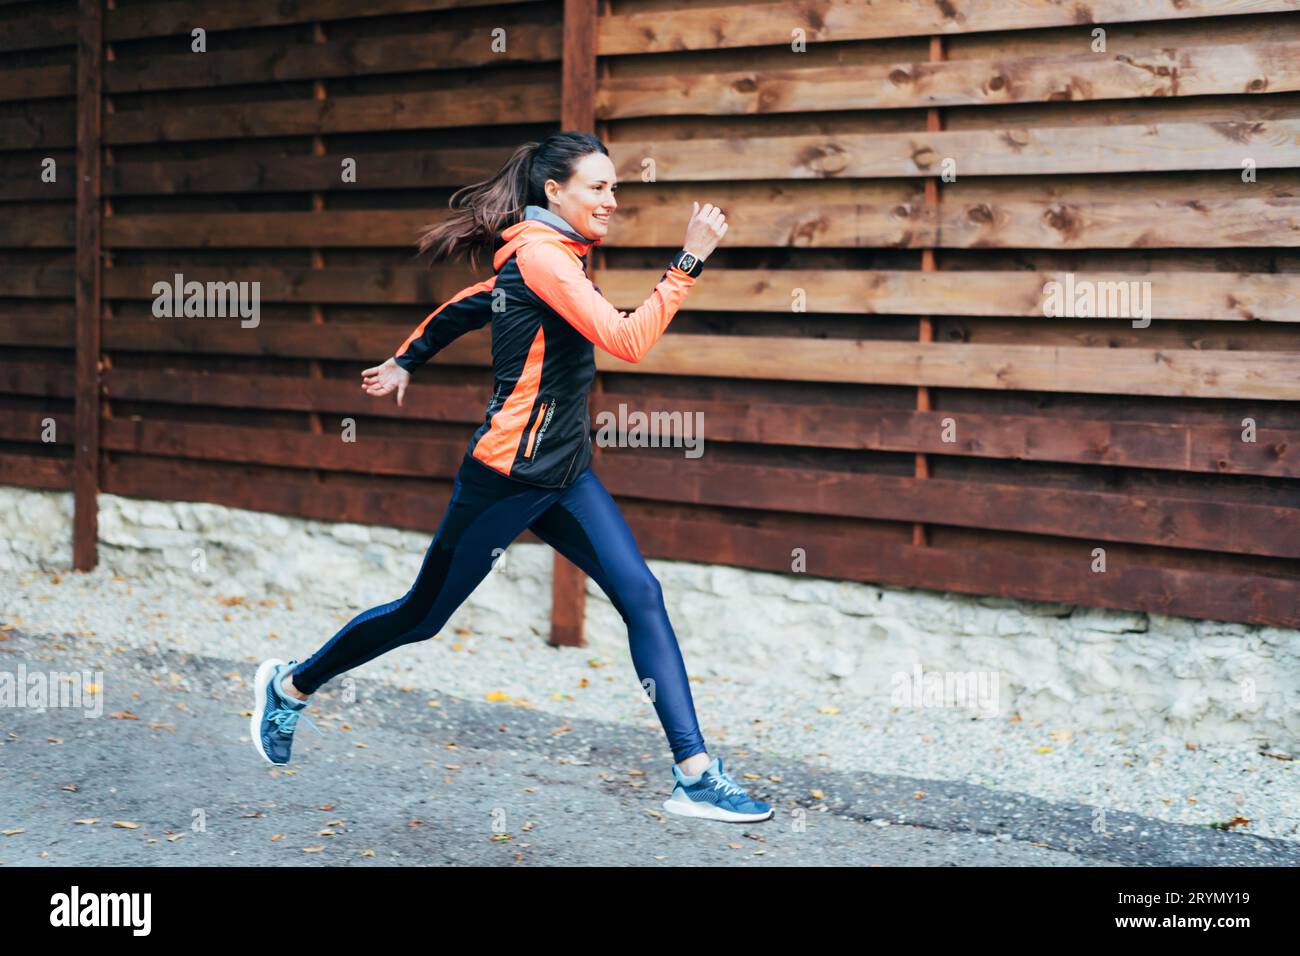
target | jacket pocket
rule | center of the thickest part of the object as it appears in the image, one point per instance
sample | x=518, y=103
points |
x=537, y=431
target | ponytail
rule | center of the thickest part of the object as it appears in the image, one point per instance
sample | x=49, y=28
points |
x=479, y=212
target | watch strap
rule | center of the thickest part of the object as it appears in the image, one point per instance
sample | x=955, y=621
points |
x=688, y=263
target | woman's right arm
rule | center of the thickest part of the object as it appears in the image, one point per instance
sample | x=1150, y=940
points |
x=556, y=275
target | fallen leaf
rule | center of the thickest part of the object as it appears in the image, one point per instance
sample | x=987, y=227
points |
x=126, y=825
x=1234, y=822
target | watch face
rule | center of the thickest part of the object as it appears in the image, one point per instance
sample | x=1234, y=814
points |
x=687, y=262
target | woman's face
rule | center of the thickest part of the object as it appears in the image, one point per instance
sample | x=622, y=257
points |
x=587, y=200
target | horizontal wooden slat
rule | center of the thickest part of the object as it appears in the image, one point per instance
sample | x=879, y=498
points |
x=266, y=446
x=485, y=104
x=295, y=494
x=42, y=379
x=396, y=169
x=335, y=340
x=36, y=471
x=993, y=152
x=1192, y=373
x=27, y=425
x=432, y=49
x=1223, y=296
x=1189, y=71
x=259, y=173
x=37, y=281
x=1210, y=449
x=973, y=214
x=452, y=403
x=1204, y=296
x=168, y=17
x=1128, y=585
x=1201, y=373
x=51, y=226
x=57, y=331
x=36, y=82
x=1135, y=443
x=1176, y=522
x=772, y=24
x=397, y=285
x=377, y=227
x=39, y=29
x=1082, y=222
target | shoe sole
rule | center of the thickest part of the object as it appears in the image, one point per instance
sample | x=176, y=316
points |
x=706, y=811
x=264, y=674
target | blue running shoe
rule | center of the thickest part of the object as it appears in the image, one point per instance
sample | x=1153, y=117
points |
x=275, y=714
x=713, y=795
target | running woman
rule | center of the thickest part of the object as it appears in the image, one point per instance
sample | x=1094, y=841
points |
x=528, y=465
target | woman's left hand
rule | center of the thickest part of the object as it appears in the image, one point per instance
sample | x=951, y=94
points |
x=382, y=379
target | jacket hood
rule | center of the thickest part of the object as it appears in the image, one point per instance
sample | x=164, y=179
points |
x=540, y=223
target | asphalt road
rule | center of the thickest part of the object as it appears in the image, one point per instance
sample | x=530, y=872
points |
x=394, y=781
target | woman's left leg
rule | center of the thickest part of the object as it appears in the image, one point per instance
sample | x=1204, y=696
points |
x=586, y=526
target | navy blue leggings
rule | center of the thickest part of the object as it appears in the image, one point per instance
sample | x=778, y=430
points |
x=486, y=513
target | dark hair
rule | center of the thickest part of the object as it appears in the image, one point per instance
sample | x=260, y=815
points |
x=482, y=210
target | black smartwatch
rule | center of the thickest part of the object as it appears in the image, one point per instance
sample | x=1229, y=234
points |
x=688, y=263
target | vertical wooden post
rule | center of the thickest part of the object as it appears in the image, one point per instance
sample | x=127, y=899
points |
x=85, y=470
x=577, y=112
x=315, y=371
x=925, y=330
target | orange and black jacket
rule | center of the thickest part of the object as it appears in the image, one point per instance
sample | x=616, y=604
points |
x=547, y=317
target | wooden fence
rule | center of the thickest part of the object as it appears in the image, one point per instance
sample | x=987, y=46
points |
x=881, y=387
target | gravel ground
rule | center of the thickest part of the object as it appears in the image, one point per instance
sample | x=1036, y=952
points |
x=782, y=717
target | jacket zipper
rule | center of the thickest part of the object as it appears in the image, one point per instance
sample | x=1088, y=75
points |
x=532, y=435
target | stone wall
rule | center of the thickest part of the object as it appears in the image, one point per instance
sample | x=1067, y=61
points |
x=1095, y=669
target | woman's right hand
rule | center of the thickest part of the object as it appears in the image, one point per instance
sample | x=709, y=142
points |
x=705, y=230
x=382, y=379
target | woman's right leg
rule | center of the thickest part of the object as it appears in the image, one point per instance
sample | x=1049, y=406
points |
x=486, y=513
